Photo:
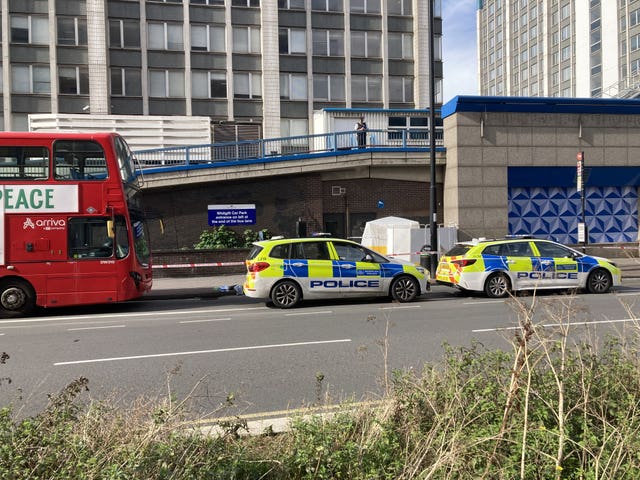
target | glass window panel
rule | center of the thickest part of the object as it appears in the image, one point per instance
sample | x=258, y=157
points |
x=198, y=37
x=320, y=42
x=241, y=85
x=82, y=31
x=337, y=88
x=66, y=31
x=116, y=82
x=176, y=84
x=321, y=87
x=298, y=87
x=174, y=37
x=374, y=47
x=199, y=84
x=20, y=79
x=40, y=30
x=114, y=33
x=336, y=43
x=255, y=40
x=41, y=80
x=358, y=46
x=218, y=85
x=359, y=88
x=133, y=82
x=157, y=84
x=84, y=80
x=217, y=39
x=256, y=85
x=298, y=41
x=375, y=89
x=156, y=36
x=240, y=40
x=19, y=29
x=131, y=34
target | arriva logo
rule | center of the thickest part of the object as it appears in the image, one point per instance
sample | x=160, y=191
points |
x=45, y=224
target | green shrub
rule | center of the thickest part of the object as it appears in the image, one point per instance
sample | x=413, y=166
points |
x=224, y=237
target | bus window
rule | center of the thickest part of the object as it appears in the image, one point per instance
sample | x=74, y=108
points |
x=79, y=160
x=88, y=238
x=125, y=161
x=26, y=163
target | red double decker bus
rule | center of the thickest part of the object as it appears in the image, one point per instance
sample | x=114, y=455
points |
x=72, y=225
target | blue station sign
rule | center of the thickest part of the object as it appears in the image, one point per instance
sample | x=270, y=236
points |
x=232, y=214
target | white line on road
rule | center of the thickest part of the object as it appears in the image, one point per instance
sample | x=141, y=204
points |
x=95, y=328
x=483, y=302
x=197, y=352
x=323, y=312
x=400, y=308
x=207, y=320
x=132, y=315
x=551, y=325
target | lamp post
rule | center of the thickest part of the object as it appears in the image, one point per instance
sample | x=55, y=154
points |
x=433, y=226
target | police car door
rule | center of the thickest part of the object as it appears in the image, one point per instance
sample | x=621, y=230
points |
x=310, y=263
x=359, y=272
x=557, y=265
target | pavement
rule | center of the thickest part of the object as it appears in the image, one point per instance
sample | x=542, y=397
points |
x=221, y=285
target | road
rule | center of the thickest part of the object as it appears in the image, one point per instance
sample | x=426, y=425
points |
x=265, y=359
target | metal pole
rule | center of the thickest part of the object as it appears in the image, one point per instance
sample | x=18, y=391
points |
x=432, y=144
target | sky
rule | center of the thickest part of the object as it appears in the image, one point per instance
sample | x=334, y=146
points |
x=459, y=48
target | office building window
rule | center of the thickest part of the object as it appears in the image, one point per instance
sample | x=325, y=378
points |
x=366, y=44
x=126, y=82
x=635, y=43
x=166, y=83
x=565, y=54
x=399, y=7
x=30, y=79
x=291, y=4
x=293, y=127
x=73, y=80
x=566, y=74
x=247, y=85
x=400, y=45
x=565, y=33
x=165, y=36
x=635, y=67
x=329, y=87
x=565, y=11
x=207, y=2
x=293, y=86
x=29, y=29
x=327, y=5
x=401, y=89
x=292, y=41
x=209, y=84
x=245, y=3
x=124, y=34
x=366, y=88
x=208, y=38
x=246, y=39
x=72, y=31
x=328, y=43
x=365, y=6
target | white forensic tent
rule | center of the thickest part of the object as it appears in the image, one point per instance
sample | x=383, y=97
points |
x=395, y=237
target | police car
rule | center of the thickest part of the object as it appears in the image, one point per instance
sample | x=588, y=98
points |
x=286, y=271
x=497, y=267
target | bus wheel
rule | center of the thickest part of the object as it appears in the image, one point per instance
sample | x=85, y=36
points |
x=16, y=298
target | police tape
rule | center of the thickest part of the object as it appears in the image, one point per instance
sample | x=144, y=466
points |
x=197, y=265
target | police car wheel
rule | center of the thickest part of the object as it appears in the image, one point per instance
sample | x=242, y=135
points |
x=286, y=294
x=599, y=281
x=497, y=285
x=16, y=298
x=404, y=289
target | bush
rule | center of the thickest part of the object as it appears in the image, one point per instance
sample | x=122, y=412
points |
x=224, y=237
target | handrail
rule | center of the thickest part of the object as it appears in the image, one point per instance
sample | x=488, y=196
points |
x=286, y=147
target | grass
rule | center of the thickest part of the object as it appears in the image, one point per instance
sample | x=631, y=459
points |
x=556, y=405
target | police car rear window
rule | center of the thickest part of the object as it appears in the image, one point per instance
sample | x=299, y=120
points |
x=458, y=250
x=254, y=252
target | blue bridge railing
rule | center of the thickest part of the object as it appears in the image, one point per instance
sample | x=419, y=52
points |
x=305, y=145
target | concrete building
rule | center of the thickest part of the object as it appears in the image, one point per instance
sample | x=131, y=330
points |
x=512, y=167
x=559, y=48
x=255, y=68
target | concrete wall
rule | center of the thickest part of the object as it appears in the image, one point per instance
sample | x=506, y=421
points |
x=482, y=145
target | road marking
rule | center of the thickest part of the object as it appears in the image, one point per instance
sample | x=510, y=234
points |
x=207, y=320
x=551, y=325
x=628, y=294
x=483, y=302
x=323, y=312
x=197, y=352
x=131, y=314
x=94, y=328
x=400, y=308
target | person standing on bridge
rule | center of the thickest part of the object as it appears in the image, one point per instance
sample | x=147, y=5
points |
x=361, y=129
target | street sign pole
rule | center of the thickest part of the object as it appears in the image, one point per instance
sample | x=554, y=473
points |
x=583, y=234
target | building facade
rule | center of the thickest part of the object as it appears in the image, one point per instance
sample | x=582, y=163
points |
x=559, y=48
x=256, y=68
